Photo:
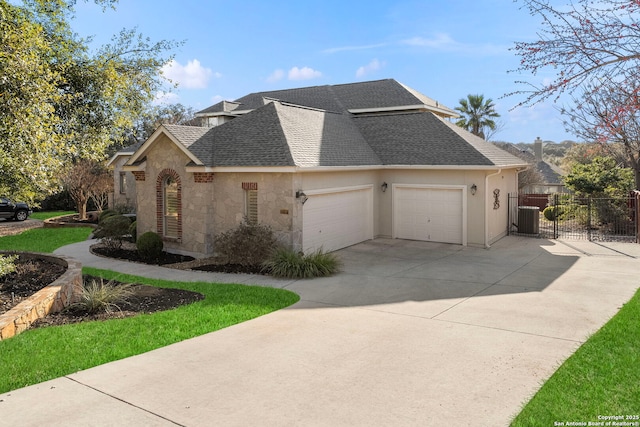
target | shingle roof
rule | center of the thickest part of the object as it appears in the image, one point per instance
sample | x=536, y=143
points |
x=319, y=131
x=338, y=98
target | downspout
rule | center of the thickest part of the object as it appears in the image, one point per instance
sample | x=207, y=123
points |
x=486, y=207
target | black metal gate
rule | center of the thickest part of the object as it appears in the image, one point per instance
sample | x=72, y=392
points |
x=567, y=216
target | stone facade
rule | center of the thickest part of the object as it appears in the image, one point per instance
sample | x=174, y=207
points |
x=211, y=203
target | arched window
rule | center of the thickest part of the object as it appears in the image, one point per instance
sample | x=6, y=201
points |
x=169, y=204
x=171, y=208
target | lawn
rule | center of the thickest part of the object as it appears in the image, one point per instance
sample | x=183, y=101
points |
x=49, y=214
x=44, y=239
x=602, y=378
x=42, y=354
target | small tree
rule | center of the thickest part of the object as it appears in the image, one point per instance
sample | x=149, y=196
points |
x=83, y=180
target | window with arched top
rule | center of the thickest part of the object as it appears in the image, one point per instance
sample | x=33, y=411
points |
x=171, y=207
x=169, y=194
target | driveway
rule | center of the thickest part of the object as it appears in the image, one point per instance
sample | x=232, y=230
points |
x=410, y=333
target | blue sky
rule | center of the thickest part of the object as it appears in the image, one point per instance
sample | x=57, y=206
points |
x=446, y=50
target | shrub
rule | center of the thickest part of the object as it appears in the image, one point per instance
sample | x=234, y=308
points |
x=295, y=265
x=551, y=213
x=248, y=244
x=113, y=230
x=98, y=296
x=7, y=264
x=149, y=245
x=106, y=214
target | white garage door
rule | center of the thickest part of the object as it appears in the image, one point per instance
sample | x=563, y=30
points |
x=433, y=214
x=337, y=218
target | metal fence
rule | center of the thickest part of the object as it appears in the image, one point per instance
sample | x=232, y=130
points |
x=567, y=216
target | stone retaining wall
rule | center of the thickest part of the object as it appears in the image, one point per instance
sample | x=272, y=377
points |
x=58, y=295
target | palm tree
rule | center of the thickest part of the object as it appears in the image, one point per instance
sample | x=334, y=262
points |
x=477, y=114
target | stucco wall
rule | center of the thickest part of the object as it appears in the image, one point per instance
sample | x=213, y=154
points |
x=475, y=207
x=497, y=208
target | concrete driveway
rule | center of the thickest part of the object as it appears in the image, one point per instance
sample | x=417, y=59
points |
x=410, y=333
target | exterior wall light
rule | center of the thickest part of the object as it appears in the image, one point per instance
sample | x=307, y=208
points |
x=300, y=195
x=384, y=186
x=474, y=188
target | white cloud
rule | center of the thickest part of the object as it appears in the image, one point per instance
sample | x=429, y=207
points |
x=215, y=99
x=441, y=41
x=444, y=42
x=372, y=66
x=275, y=76
x=190, y=76
x=304, y=73
x=351, y=48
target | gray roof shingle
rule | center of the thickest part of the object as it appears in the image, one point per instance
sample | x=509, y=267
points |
x=311, y=127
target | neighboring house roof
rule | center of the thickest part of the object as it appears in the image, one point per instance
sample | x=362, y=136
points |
x=323, y=132
x=551, y=174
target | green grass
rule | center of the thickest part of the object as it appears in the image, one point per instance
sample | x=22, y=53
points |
x=42, y=354
x=601, y=378
x=50, y=214
x=44, y=240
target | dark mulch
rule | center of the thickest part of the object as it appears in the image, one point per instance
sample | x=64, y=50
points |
x=35, y=274
x=132, y=255
x=30, y=276
x=145, y=299
x=183, y=262
x=230, y=268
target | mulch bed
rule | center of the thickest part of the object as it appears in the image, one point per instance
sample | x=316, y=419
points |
x=30, y=276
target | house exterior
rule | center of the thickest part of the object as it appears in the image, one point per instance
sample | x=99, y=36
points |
x=324, y=167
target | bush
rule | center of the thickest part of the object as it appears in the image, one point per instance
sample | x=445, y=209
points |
x=98, y=296
x=113, y=230
x=295, y=265
x=150, y=246
x=7, y=264
x=107, y=213
x=248, y=244
x=551, y=213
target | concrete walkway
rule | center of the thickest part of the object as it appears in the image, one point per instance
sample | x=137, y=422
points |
x=410, y=333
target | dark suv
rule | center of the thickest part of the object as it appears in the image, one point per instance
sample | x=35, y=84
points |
x=18, y=211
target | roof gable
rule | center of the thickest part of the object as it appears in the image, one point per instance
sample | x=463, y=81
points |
x=182, y=136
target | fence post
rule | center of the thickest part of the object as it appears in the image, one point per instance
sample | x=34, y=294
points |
x=555, y=216
x=637, y=210
x=589, y=217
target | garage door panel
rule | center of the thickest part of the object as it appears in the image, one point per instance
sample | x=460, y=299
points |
x=431, y=214
x=337, y=219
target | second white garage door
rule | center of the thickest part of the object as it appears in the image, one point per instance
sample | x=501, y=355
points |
x=430, y=213
x=337, y=218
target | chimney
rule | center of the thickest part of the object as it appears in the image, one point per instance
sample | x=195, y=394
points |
x=537, y=149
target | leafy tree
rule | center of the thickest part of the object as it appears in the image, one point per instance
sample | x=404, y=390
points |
x=583, y=41
x=60, y=101
x=156, y=115
x=602, y=177
x=478, y=114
